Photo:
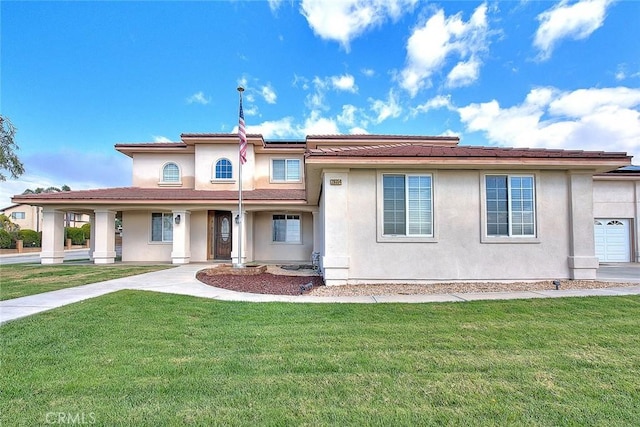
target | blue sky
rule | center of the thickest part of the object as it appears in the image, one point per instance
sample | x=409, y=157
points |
x=79, y=77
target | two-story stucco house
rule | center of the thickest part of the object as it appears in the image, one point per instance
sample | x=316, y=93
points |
x=375, y=208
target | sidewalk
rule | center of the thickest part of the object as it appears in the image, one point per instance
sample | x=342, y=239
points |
x=181, y=280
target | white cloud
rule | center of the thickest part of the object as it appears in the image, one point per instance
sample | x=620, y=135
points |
x=605, y=119
x=160, y=138
x=358, y=131
x=274, y=5
x=269, y=94
x=436, y=102
x=464, y=73
x=584, y=101
x=301, y=81
x=575, y=21
x=347, y=117
x=316, y=99
x=386, y=109
x=345, y=82
x=369, y=72
x=345, y=20
x=439, y=38
x=317, y=125
x=275, y=129
x=198, y=98
x=623, y=73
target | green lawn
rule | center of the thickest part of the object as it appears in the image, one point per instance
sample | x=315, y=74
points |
x=141, y=358
x=19, y=280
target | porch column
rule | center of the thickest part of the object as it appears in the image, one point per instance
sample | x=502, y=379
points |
x=583, y=263
x=92, y=235
x=636, y=233
x=335, y=259
x=104, y=236
x=236, y=237
x=181, y=253
x=316, y=231
x=52, y=236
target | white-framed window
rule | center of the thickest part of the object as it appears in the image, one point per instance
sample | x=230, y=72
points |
x=18, y=215
x=170, y=173
x=287, y=228
x=510, y=205
x=161, y=227
x=407, y=205
x=223, y=169
x=286, y=170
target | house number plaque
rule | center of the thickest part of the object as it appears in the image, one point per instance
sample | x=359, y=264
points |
x=335, y=181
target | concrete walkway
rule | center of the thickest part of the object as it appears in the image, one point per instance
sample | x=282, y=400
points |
x=181, y=280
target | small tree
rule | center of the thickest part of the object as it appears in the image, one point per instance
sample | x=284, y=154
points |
x=86, y=229
x=41, y=190
x=76, y=235
x=30, y=238
x=9, y=161
x=7, y=225
x=6, y=241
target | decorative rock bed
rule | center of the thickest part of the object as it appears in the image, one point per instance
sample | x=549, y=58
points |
x=256, y=279
x=247, y=270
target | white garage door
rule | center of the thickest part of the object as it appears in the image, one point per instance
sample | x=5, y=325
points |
x=612, y=240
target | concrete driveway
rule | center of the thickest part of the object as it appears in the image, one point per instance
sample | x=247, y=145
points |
x=620, y=272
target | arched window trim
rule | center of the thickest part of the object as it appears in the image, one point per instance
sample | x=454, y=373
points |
x=164, y=182
x=214, y=176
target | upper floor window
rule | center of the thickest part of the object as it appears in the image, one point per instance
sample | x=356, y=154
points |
x=407, y=205
x=510, y=205
x=286, y=170
x=223, y=169
x=170, y=173
x=17, y=215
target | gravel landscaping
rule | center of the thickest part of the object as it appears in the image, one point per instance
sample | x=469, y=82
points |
x=285, y=281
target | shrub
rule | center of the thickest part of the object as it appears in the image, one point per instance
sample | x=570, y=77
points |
x=6, y=241
x=86, y=229
x=30, y=238
x=76, y=235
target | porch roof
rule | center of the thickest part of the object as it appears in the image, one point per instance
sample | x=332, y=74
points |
x=137, y=194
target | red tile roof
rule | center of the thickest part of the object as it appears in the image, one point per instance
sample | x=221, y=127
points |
x=382, y=137
x=177, y=194
x=428, y=150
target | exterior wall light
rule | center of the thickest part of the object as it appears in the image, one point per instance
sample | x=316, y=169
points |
x=177, y=219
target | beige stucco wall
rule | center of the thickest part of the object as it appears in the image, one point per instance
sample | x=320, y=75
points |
x=137, y=245
x=147, y=169
x=199, y=236
x=614, y=199
x=264, y=249
x=136, y=239
x=206, y=157
x=456, y=252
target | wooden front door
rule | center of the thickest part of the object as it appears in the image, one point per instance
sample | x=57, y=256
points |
x=221, y=232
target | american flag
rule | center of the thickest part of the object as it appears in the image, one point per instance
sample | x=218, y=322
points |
x=242, y=136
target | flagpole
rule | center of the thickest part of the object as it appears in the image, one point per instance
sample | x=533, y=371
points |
x=241, y=160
